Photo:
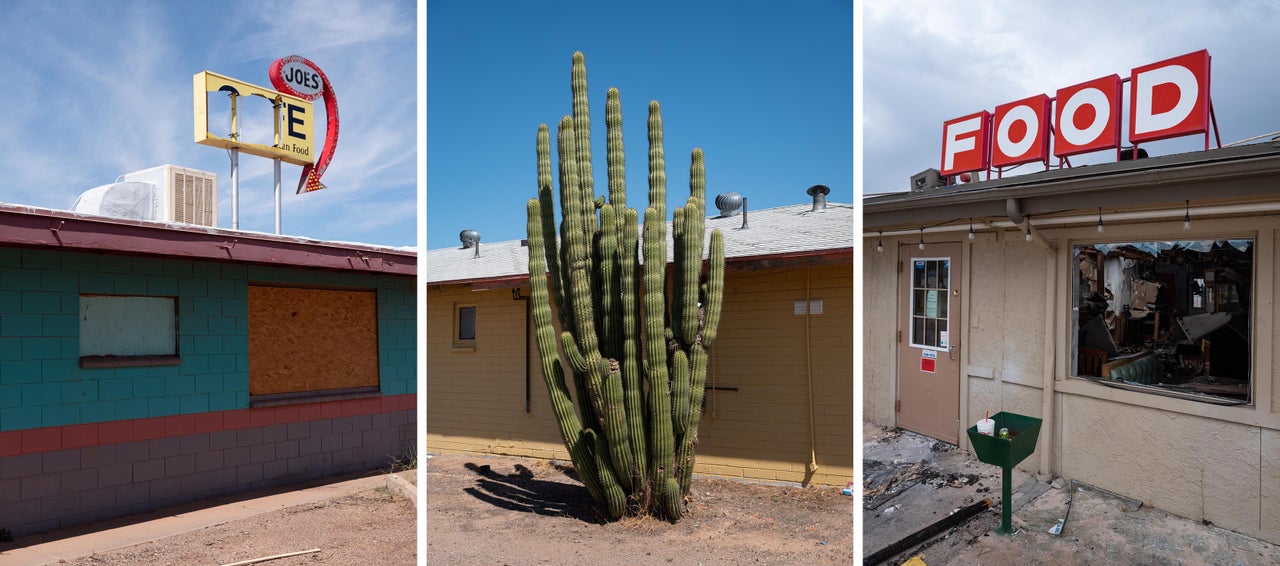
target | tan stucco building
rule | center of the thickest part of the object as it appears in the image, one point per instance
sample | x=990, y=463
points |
x=780, y=382
x=1129, y=305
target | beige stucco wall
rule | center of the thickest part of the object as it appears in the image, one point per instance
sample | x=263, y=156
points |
x=879, y=330
x=1201, y=461
x=475, y=400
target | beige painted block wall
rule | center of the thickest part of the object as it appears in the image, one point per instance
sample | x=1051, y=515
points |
x=763, y=427
x=475, y=400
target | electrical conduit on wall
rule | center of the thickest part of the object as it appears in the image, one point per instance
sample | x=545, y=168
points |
x=812, y=468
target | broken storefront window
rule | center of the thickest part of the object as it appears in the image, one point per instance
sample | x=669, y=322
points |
x=1166, y=317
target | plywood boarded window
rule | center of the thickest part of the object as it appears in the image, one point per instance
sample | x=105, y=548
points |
x=311, y=340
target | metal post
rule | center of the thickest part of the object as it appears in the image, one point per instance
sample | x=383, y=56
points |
x=277, y=171
x=235, y=188
x=1006, y=503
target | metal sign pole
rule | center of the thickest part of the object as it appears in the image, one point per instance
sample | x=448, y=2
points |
x=235, y=189
x=277, y=168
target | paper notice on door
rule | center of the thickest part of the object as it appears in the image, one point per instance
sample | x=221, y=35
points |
x=931, y=304
x=943, y=340
x=928, y=363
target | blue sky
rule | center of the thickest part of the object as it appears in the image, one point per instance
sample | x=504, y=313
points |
x=99, y=89
x=764, y=88
x=926, y=62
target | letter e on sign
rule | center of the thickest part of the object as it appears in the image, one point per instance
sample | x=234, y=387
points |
x=1020, y=132
x=1170, y=98
x=964, y=143
x=1088, y=117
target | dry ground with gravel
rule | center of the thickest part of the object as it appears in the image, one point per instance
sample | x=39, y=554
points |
x=516, y=511
x=371, y=527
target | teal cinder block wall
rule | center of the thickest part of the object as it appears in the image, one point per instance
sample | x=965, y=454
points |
x=42, y=384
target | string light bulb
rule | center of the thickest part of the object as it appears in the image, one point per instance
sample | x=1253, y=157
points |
x=922, y=238
x=880, y=242
x=1099, y=219
x=1028, y=227
x=1186, y=218
x=970, y=228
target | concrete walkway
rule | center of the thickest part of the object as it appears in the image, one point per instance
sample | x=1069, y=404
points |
x=103, y=536
x=913, y=481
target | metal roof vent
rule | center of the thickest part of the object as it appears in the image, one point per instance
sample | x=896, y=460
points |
x=819, y=194
x=470, y=239
x=730, y=204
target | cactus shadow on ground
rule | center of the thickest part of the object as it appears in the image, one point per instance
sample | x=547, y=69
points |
x=522, y=491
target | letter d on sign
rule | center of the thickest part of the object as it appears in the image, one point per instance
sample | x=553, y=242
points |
x=1170, y=98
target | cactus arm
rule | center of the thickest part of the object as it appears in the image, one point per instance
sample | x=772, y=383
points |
x=679, y=392
x=582, y=130
x=614, y=498
x=698, y=387
x=714, y=295
x=547, y=207
x=657, y=168
x=552, y=372
x=631, y=367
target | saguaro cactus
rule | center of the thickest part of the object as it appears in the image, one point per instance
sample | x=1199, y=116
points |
x=639, y=371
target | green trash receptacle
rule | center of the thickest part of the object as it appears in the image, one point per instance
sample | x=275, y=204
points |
x=1024, y=432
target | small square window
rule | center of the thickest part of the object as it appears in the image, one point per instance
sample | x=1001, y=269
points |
x=464, y=335
x=128, y=330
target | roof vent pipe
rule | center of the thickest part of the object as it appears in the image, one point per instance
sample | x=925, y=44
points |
x=730, y=204
x=744, y=213
x=819, y=194
x=470, y=239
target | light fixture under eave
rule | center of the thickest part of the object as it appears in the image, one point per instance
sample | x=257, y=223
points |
x=1186, y=219
x=971, y=228
x=1028, y=227
x=1099, y=219
x=922, y=238
x=880, y=242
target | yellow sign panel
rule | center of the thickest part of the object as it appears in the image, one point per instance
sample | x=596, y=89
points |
x=294, y=120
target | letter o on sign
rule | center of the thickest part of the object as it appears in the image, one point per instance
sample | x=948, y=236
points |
x=1023, y=120
x=1092, y=98
x=1088, y=117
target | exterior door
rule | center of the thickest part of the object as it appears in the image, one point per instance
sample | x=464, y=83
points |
x=929, y=341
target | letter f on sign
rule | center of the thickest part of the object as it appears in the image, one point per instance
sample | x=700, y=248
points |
x=964, y=144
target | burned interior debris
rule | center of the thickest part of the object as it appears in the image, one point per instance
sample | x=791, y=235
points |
x=1169, y=317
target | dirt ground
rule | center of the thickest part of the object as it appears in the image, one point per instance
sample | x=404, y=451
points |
x=371, y=527
x=516, y=511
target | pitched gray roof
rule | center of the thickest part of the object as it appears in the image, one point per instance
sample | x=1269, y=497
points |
x=772, y=231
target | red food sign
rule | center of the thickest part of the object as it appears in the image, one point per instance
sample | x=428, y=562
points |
x=298, y=76
x=1167, y=99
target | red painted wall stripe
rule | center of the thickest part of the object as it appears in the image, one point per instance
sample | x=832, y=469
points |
x=47, y=439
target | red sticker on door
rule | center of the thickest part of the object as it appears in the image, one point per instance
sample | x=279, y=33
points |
x=928, y=361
